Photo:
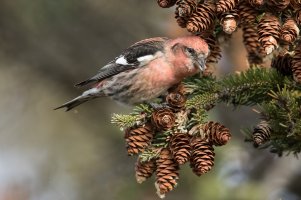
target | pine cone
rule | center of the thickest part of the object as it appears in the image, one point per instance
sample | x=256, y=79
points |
x=256, y=3
x=261, y=133
x=229, y=21
x=186, y=8
x=178, y=88
x=283, y=64
x=202, y=156
x=269, y=32
x=180, y=147
x=298, y=17
x=286, y=14
x=163, y=119
x=277, y=5
x=182, y=21
x=167, y=173
x=295, y=4
x=166, y=3
x=255, y=59
x=226, y=5
x=208, y=72
x=144, y=170
x=296, y=62
x=137, y=139
x=215, y=50
x=289, y=31
x=202, y=19
x=250, y=40
x=217, y=133
x=246, y=13
x=176, y=100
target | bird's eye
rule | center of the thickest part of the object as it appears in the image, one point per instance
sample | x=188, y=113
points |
x=190, y=50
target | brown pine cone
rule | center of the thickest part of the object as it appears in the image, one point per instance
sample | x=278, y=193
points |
x=269, y=32
x=202, y=156
x=298, y=17
x=178, y=88
x=283, y=64
x=250, y=40
x=229, y=21
x=163, y=119
x=186, y=7
x=217, y=133
x=176, y=100
x=256, y=3
x=261, y=133
x=247, y=13
x=296, y=4
x=137, y=139
x=202, y=19
x=167, y=173
x=215, y=50
x=182, y=21
x=180, y=147
x=208, y=72
x=144, y=170
x=296, y=62
x=286, y=14
x=226, y=5
x=166, y=3
x=255, y=59
x=277, y=5
x=289, y=31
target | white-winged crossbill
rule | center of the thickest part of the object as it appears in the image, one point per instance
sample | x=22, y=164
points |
x=145, y=70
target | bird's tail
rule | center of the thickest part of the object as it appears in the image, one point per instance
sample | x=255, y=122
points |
x=86, y=96
x=73, y=103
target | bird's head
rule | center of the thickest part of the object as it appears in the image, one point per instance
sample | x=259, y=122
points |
x=189, y=52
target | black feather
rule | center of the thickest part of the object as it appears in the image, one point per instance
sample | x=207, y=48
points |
x=131, y=54
x=74, y=102
x=140, y=49
x=106, y=72
x=83, y=83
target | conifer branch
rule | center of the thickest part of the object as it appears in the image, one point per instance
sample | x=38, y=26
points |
x=124, y=121
x=180, y=129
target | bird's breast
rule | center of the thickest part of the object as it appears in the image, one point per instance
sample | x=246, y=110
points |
x=140, y=85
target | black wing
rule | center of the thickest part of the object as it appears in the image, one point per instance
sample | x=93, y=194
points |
x=143, y=48
x=129, y=59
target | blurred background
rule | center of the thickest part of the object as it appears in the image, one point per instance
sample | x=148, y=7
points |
x=46, y=47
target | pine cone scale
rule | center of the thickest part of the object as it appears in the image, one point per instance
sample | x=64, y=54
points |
x=137, y=139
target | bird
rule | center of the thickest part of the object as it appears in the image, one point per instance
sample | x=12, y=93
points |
x=145, y=70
